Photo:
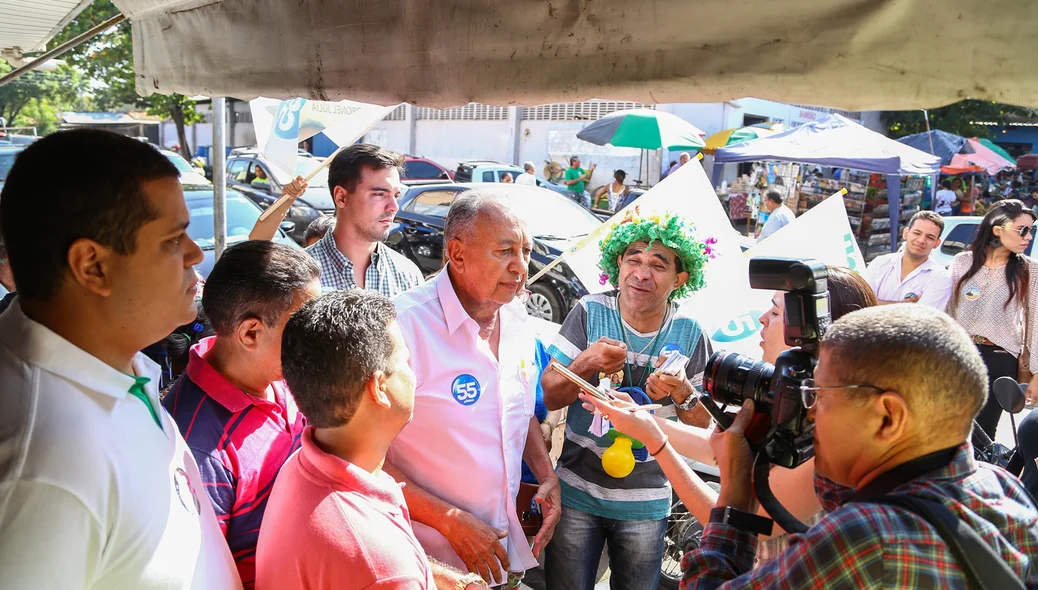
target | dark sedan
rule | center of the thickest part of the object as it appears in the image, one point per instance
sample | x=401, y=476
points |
x=553, y=220
x=242, y=215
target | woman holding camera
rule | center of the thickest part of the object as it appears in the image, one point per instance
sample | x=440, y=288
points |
x=794, y=488
x=995, y=286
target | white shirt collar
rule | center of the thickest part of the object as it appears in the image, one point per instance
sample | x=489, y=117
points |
x=455, y=314
x=38, y=345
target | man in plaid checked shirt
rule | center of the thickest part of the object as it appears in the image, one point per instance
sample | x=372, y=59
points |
x=365, y=184
x=896, y=390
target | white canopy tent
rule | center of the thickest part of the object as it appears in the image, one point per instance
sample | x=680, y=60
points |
x=851, y=54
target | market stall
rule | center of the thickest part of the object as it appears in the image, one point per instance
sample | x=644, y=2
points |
x=838, y=142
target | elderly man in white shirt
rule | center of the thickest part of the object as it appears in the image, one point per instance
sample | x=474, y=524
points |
x=473, y=353
x=97, y=487
x=909, y=275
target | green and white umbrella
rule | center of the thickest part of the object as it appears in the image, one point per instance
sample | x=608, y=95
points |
x=646, y=129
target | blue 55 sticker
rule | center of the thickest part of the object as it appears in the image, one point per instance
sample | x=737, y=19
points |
x=465, y=389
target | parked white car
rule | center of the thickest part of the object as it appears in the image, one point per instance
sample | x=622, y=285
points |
x=957, y=236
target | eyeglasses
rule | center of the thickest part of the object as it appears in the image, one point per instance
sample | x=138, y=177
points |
x=1023, y=230
x=809, y=391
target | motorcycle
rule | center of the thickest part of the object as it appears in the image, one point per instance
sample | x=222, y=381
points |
x=1010, y=396
x=684, y=531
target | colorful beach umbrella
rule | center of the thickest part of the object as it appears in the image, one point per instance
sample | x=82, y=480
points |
x=646, y=129
x=738, y=135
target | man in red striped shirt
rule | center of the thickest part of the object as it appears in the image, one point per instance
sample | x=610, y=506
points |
x=232, y=405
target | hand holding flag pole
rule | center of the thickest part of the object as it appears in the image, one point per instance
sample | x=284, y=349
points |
x=286, y=197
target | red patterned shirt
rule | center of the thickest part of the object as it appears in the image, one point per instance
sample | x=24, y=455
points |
x=240, y=443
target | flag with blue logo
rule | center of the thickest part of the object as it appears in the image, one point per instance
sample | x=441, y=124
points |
x=281, y=124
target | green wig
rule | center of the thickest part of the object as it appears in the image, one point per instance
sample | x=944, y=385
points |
x=669, y=230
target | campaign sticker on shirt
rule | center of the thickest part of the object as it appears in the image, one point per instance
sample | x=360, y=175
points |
x=911, y=294
x=972, y=293
x=465, y=389
x=182, y=486
x=670, y=348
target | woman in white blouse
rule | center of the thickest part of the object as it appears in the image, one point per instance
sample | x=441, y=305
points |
x=994, y=285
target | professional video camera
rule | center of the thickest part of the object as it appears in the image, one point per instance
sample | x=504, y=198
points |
x=780, y=432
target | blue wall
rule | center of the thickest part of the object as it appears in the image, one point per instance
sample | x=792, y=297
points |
x=1010, y=135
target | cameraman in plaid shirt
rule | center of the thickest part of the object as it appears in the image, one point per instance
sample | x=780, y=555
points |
x=893, y=401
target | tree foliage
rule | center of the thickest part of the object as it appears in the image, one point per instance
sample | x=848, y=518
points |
x=36, y=98
x=108, y=61
x=960, y=118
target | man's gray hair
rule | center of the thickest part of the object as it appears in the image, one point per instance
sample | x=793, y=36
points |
x=528, y=166
x=465, y=210
x=916, y=351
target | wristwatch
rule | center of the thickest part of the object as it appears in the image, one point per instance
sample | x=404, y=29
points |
x=471, y=578
x=690, y=401
x=744, y=521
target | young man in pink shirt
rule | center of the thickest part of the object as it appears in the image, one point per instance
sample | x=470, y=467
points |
x=335, y=519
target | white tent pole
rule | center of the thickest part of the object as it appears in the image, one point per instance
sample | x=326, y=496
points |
x=219, y=158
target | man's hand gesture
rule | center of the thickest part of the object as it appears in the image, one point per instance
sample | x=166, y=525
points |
x=605, y=355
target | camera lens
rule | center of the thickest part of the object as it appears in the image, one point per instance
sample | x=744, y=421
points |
x=731, y=378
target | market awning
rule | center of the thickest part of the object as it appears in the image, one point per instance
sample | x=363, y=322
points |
x=851, y=54
x=942, y=144
x=27, y=25
x=837, y=142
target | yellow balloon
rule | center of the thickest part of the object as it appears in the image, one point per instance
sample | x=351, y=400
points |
x=618, y=460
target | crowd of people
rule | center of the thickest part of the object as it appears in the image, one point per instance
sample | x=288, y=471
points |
x=334, y=419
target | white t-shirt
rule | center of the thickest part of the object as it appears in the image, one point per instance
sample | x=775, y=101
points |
x=944, y=200
x=93, y=492
x=778, y=219
x=526, y=178
x=931, y=282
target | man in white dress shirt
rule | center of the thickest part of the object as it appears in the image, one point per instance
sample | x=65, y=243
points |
x=909, y=275
x=473, y=354
x=97, y=487
x=527, y=176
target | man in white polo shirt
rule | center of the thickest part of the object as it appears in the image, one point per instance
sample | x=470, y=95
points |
x=473, y=354
x=97, y=488
x=909, y=275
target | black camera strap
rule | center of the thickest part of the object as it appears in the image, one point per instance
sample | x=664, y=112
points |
x=983, y=567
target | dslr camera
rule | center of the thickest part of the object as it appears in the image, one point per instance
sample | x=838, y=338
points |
x=780, y=431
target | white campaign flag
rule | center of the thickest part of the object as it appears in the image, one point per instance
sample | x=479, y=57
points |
x=731, y=308
x=686, y=193
x=727, y=308
x=281, y=125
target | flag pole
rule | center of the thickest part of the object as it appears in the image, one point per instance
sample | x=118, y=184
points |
x=284, y=198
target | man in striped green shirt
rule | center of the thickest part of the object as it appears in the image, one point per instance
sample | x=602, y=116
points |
x=651, y=262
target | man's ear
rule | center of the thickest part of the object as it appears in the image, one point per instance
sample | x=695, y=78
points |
x=339, y=197
x=90, y=265
x=680, y=279
x=248, y=333
x=895, y=416
x=456, y=253
x=376, y=389
x=904, y=234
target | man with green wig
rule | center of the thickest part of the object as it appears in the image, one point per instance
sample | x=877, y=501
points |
x=623, y=334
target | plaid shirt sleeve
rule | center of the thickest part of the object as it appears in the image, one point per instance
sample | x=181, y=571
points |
x=844, y=550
